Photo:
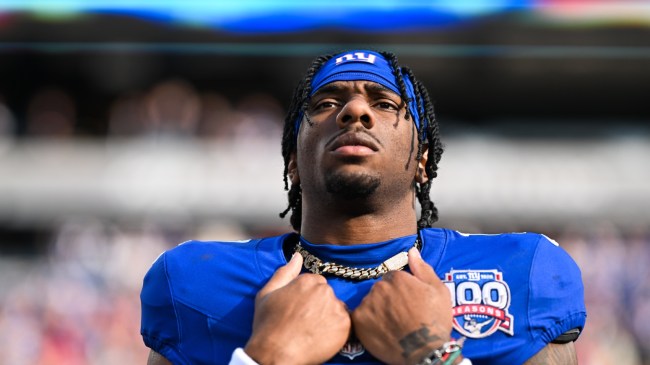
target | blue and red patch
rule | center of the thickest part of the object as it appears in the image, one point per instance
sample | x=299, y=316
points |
x=480, y=302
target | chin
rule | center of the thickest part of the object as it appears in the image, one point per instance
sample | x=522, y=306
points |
x=352, y=185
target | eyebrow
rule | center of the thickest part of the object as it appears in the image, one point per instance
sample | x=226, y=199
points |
x=370, y=87
x=379, y=88
x=329, y=88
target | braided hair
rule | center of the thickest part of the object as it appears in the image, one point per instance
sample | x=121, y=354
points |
x=428, y=136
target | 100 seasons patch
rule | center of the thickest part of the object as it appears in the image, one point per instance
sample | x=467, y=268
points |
x=480, y=301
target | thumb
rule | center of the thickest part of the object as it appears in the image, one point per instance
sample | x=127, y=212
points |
x=283, y=275
x=421, y=269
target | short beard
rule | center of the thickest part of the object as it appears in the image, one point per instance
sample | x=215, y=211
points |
x=351, y=186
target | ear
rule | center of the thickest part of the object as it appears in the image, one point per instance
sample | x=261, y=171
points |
x=421, y=172
x=294, y=176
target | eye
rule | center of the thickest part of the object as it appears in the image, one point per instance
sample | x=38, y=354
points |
x=325, y=104
x=387, y=105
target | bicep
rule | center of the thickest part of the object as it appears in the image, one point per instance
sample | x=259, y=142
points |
x=157, y=359
x=555, y=354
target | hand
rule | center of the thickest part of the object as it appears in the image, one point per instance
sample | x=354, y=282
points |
x=405, y=316
x=298, y=319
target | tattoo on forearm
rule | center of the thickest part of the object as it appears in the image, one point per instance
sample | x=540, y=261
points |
x=416, y=340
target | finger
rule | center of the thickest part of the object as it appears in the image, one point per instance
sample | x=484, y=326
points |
x=283, y=275
x=388, y=276
x=421, y=269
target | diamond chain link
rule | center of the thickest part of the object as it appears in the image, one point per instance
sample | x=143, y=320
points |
x=317, y=266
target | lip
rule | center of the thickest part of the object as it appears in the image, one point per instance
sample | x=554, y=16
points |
x=354, y=143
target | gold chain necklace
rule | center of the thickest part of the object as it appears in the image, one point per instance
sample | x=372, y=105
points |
x=317, y=266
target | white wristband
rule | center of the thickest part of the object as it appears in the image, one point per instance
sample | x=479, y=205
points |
x=239, y=357
x=465, y=361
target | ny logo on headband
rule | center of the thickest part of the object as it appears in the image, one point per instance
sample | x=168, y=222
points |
x=358, y=56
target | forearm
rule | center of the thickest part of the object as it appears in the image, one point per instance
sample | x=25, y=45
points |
x=555, y=354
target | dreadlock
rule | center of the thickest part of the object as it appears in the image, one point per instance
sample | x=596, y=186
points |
x=428, y=138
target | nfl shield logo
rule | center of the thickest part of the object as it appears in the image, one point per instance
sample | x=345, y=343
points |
x=352, y=349
x=480, y=301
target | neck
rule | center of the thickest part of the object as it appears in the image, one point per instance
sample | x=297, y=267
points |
x=348, y=226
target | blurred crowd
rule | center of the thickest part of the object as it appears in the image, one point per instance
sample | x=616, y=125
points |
x=78, y=303
x=615, y=272
x=172, y=108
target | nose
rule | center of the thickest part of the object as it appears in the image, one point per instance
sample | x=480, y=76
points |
x=355, y=110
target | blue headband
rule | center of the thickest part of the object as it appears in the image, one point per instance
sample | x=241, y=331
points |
x=366, y=66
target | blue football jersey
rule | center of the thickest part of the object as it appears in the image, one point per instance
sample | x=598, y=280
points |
x=511, y=294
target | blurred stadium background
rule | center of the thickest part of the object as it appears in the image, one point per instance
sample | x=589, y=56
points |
x=127, y=127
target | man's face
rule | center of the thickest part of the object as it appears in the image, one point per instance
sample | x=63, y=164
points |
x=358, y=143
